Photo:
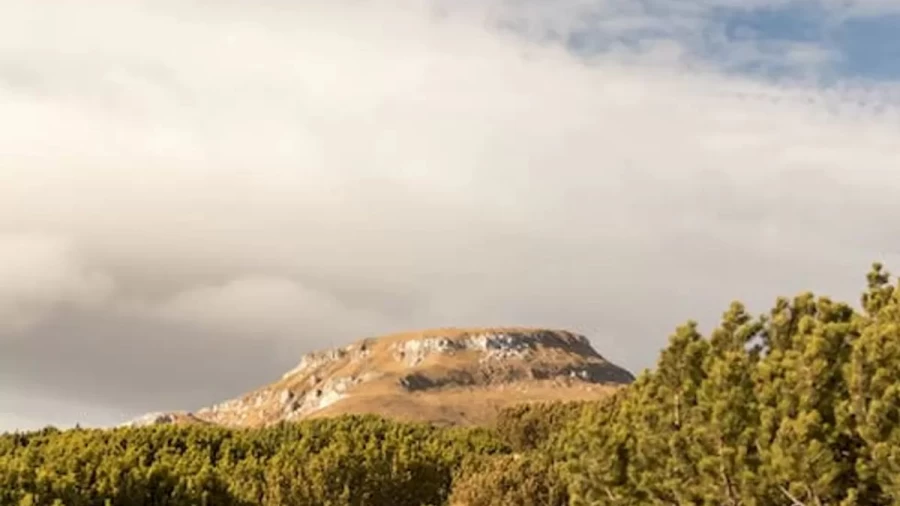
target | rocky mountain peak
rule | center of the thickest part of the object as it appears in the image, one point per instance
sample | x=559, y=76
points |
x=452, y=375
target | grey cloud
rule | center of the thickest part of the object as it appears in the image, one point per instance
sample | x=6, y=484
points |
x=40, y=274
x=133, y=365
x=235, y=185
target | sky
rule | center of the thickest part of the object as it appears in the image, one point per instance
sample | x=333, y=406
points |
x=194, y=194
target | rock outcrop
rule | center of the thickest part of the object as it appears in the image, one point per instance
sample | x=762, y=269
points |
x=448, y=376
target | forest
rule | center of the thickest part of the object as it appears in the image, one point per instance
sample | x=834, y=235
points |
x=798, y=406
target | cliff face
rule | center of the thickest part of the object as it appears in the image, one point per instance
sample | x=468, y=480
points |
x=448, y=376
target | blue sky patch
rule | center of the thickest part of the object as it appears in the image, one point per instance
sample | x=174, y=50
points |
x=870, y=47
x=795, y=39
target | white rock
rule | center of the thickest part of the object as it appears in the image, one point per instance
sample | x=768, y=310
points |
x=150, y=419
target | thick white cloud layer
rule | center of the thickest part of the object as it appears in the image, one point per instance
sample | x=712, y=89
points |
x=192, y=195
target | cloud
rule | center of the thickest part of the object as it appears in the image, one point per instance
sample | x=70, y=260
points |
x=40, y=274
x=25, y=412
x=237, y=184
x=266, y=307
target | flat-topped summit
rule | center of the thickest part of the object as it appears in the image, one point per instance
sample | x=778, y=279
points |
x=450, y=375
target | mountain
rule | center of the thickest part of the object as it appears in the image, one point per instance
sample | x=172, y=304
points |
x=446, y=376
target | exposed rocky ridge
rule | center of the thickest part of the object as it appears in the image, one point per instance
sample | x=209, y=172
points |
x=452, y=376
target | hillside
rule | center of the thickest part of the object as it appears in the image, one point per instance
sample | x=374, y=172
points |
x=457, y=376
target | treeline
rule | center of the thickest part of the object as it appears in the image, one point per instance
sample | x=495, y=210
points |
x=800, y=406
x=343, y=461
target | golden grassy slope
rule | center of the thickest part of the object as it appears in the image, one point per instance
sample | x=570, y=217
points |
x=462, y=406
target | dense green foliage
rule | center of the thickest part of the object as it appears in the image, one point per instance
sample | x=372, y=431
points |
x=800, y=406
x=344, y=461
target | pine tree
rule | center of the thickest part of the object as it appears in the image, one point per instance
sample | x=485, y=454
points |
x=874, y=390
x=727, y=415
x=799, y=384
